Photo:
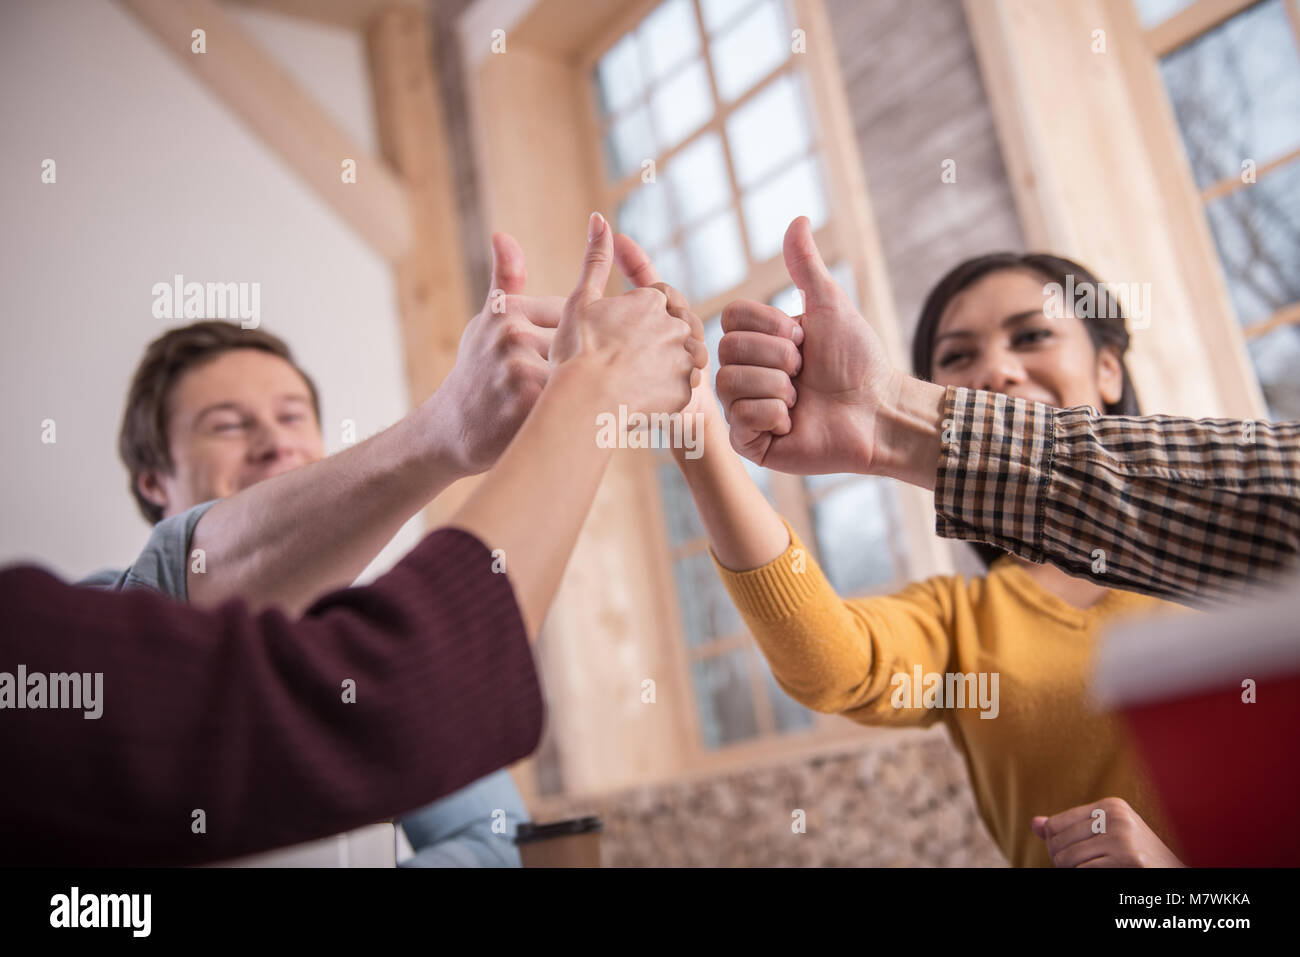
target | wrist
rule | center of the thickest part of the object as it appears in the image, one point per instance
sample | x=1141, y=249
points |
x=708, y=434
x=583, y=382
x=435, y=429
x=908, y=426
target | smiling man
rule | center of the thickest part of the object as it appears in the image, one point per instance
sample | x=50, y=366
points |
x=222, y=439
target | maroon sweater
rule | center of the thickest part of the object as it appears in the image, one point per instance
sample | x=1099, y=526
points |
x=243, y=716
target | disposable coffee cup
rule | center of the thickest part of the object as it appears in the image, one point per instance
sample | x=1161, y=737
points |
x=571, y=843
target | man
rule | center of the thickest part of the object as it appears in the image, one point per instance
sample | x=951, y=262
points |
x=218, y=733
x=222, y=439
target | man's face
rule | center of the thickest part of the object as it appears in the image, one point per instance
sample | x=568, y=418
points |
x=232, y=422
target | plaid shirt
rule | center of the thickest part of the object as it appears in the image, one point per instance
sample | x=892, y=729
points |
x=1177, y=508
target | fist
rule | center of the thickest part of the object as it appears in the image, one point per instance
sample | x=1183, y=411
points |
x=801, y=394
x=646, y=355
x=1118, y=837
x=501, y=365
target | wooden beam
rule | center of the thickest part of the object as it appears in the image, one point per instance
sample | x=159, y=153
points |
x=349, y=14
x=247, y=81
x=432, y=286
x=1186, y=25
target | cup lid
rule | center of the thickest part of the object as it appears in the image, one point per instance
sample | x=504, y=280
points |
x=528, y=831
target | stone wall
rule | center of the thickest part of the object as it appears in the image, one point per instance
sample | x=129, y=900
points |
x=902, y=804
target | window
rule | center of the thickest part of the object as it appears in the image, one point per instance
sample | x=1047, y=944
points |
x=1235, y=88
x=710, y=147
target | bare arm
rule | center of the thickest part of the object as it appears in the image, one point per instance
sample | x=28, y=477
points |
x=290, y=538
x=623, y=350
x=744, y=530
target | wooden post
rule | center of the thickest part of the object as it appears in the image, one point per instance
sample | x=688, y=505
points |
x=432, y=287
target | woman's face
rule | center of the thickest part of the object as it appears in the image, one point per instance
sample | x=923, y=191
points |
x=994, y=336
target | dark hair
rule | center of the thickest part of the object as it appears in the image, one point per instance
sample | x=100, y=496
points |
x=142, y=442
x=1106, y=327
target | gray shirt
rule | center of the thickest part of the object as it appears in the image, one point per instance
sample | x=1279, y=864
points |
x=460, y=830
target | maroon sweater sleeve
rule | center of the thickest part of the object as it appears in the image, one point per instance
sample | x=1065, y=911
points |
x=246, y=718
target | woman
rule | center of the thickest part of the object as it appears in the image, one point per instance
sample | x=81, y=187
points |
x=1046, y=763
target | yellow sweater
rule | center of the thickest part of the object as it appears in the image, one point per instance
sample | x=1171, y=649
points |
x=1046, y=750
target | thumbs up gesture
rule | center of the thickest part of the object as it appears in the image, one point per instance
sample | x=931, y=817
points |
x=649, y=358
x=803, y=395
x=501, y=366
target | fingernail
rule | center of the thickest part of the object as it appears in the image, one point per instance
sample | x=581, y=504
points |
x=797, y=334
x=595, y=226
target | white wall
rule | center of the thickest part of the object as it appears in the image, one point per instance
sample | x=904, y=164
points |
x=156, y=177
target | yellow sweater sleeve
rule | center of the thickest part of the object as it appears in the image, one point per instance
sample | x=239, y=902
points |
x=840, y=656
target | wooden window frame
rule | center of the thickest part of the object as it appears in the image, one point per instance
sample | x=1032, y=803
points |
x=1186, y=27
x=763, y=279
x=517, y=100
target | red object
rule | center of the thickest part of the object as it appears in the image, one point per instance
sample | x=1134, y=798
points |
x=1228, y=772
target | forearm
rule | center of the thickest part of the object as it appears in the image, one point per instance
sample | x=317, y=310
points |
x=379, y=700
x=298, y=535
x=1191, y=510
x=533, y=503
x=744, y=529
x=909, y=430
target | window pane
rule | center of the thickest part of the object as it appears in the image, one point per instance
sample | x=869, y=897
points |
x=762, y=478
x=669, y=36
x=723, y=699
x=856, y=529
x=679, y=509
x=707, y=611
x=629, y=142
x=750, y=50
x=770, y=208
x=790, y=301
x=790, y=715
x=1236, y=93
x=644, y=215
x=1257, y=230
x=712, y=336
x=768, y=131
x=1277, y=363
x=1151, y=12
x=698, y=177
x=715, y=255
x=815, y=483
x=672, y=269
x=682, y=104
x=720, y=13
x=618, y=76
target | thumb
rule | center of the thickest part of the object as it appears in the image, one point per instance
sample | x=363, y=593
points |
x=804, y=263
x=596, y=263
x=509, y=271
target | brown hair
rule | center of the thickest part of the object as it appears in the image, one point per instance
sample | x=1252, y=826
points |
x=1102, y=329
x=142, y=442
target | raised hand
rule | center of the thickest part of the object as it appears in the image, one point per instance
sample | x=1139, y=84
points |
x=640, y=271
x=501, y=365
x=650, y=357
x=801, y=395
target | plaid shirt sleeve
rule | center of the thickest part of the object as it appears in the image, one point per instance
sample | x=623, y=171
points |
x=1185, y=509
